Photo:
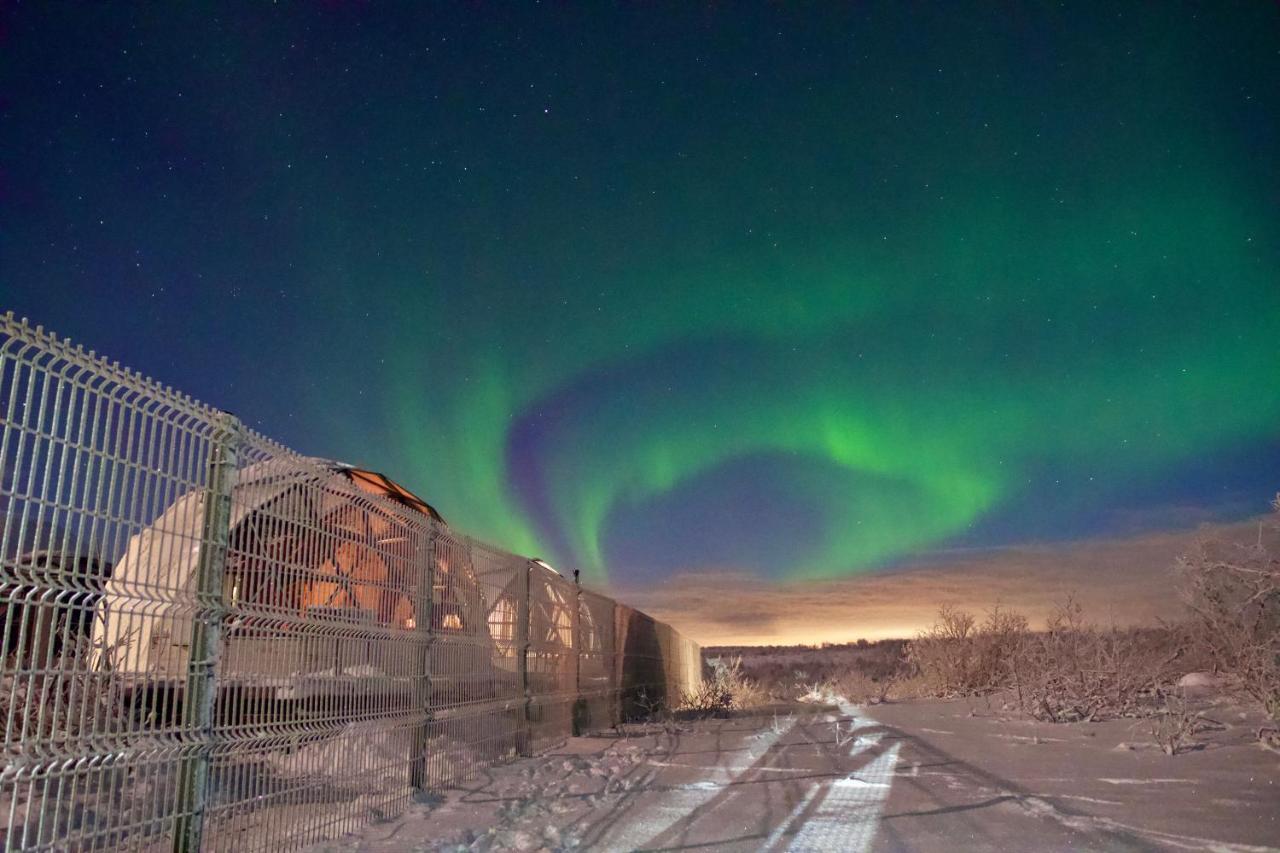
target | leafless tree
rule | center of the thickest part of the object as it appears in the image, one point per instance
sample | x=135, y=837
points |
x=1233, y=592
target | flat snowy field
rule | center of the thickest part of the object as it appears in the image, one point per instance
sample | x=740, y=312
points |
x=922, y=776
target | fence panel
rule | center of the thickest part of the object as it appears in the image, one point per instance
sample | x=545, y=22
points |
x=213, y=642
x=597, y=663
x=477, y=701
x=641, y=672
x=92, y=457
x=682, y=663
x=322, y=656
x=552, y=665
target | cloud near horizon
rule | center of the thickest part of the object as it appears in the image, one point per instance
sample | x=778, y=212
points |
x=1122, y=581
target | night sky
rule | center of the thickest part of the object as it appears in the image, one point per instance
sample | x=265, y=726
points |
x=799, y=291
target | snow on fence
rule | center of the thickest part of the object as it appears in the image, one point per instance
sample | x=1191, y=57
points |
x=214, y=643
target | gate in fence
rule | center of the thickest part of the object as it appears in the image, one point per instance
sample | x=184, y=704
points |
x=212, y=642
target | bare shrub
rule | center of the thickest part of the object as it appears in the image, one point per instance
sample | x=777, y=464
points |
x=727, y=689
x=958, y=656
x=998, y=642
x=1233, y=592
x=1269, y=737
x=1074, y=670
x=706, y=699
x=1174, y=726
x=653, y=715
x=943, y=653
x=860, y=688
x=910, y=685
x=71, y=693
x=783, y=673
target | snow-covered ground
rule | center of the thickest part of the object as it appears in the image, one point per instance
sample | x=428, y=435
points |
x=904, y=776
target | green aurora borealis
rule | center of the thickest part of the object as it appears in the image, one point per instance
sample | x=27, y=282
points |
x=929, y=401
x=803, y=291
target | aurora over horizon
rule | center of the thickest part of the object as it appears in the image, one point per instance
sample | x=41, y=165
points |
x=798, y=293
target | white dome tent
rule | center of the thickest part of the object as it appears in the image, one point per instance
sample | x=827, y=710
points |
x=311, y=561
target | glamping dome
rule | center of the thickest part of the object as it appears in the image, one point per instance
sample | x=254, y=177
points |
x=320, y=554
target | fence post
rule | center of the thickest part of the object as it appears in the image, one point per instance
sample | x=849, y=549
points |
x=422, y=618
x=524, y=613
x=615, y=668
x=206, y=635
x=578, y=716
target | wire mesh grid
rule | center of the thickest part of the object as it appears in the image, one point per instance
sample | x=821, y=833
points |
x=681, y=673
x=477, y=700
x=641, y=671
x=597, y=663
x=551, y=658
x=91, y=456
x=211, y=642
x=322, y=658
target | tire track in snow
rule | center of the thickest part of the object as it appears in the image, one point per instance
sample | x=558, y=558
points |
x=848, y=816
x=652, y=819
x=848, y=810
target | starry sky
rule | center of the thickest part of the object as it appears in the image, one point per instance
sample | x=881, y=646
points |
x=799, y=292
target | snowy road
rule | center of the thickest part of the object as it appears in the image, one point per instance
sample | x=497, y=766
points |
x=905, y=777
x=942, y=777
x=843, y=814
x=845, y=781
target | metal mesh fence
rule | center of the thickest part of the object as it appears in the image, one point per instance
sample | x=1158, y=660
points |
x=597, y=704
x=476, y=695
x=211, y=642
x=641, y=672
x=552, y=656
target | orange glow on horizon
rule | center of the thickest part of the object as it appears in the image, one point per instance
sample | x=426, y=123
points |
x=1128, y=581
